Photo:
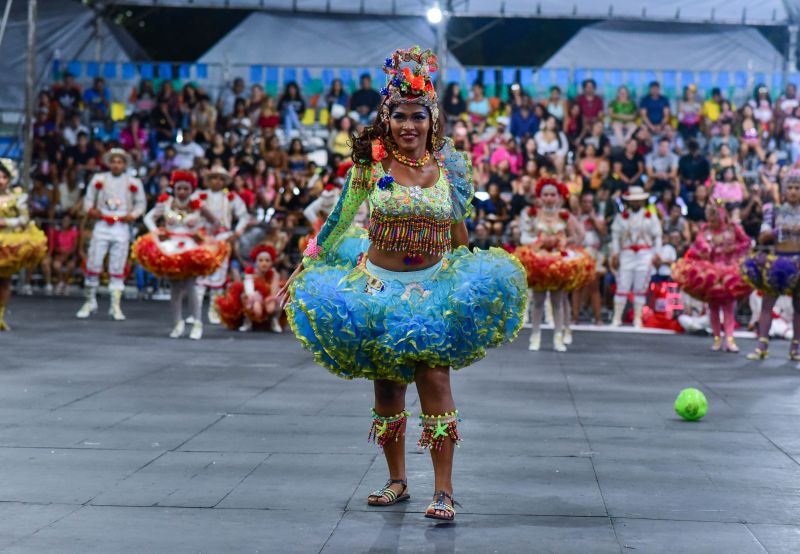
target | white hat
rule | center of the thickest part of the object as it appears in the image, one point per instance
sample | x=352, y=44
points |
x=635, y=193
x=116, y=152
x=220, y=172
x=504, y=120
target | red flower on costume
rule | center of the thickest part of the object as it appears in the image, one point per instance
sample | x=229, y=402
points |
x=625, y=215
x=133, y=188
x=564, y=214
x=249, y=270
x=181, y=244
x=407, y=74
x=163, y=197
x=203, y=196
x=532, y=211
x=418, y=82
x=648, y=215
x=378, y=150
x=98, y=185
x=231, y=196
x=195, y=204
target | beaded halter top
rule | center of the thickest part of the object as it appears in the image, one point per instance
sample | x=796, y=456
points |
x=411, y=219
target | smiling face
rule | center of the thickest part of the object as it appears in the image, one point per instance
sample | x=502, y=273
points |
x=410, y=125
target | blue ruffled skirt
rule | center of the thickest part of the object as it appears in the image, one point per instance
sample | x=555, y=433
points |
x=775, y=274
x=364, y=321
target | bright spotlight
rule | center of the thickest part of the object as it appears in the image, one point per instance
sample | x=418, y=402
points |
x=435, y=15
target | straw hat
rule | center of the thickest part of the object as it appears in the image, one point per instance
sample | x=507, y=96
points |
x=116, y=152
x=635, y=193
x=220, y=171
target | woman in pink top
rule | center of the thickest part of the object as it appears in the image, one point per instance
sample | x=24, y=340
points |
x=730, y=192
x=63, y=252
x=134, y=139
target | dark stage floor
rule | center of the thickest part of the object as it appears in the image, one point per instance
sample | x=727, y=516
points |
x=114, y=438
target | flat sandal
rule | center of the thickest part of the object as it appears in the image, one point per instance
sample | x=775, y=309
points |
x=440, y=505
x=388, y=492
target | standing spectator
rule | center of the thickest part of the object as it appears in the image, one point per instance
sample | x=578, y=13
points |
x=662, y=169
x=365, y=100
x=622, y=111
x=187, y=151
x=631, y=166
x=478, y=106
x=292, y=107
x=228, y=96
x=654, y=110
x=689, y=110
x=98, y=100
x=591, y=104
x=454, y=104
x=63, y=254
x=693, y=171
x=134, y=139
x=204, y=119
x=68, y=95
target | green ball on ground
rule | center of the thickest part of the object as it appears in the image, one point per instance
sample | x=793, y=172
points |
x=691, y=404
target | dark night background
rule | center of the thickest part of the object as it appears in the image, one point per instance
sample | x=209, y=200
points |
x=184, y=34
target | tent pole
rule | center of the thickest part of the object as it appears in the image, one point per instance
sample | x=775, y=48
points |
x=791, y=55
x=441, y=54
x=27, y=132
x=5, y=21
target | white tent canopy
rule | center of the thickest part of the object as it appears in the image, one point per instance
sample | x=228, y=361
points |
x=65, y=30
x=324, y=40
x=738, y=12
x=654, y=46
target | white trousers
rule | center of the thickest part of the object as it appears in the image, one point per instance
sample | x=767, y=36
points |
x=634, y=272
x=115, y=241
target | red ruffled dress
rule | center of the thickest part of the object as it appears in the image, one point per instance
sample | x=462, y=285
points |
x=238, y=302
x=710, y=269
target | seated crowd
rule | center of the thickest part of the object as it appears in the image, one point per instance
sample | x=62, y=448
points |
x=682, y=152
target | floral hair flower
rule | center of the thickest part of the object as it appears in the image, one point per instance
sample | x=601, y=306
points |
x=163, y=197
x=384, y=91
x=378, y=150
x=312, y=250
x=389, y=62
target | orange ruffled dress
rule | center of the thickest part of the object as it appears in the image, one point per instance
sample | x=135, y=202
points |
x=233, y=308
x=552, y=267
x=181, y=256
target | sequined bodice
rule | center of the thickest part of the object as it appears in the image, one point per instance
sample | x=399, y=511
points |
x=181, y=219
x=787, y=223
x=399, y=200
x=8, y=205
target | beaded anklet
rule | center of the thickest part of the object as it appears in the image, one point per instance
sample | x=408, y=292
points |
x=437, y=428
x=384, y=429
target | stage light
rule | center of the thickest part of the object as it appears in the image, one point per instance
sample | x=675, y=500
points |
x=435, y=15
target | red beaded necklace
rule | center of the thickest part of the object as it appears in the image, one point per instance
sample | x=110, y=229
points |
x=405, y=160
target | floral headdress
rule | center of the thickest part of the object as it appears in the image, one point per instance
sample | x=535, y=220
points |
x=186, y=176
x=562, y=189
x=263, y=249
x=408, y=81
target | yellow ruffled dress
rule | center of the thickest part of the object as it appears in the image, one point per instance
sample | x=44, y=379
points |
x=22, y=243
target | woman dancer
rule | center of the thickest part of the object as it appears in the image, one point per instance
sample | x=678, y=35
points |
x=418, y=302
x=553, y=261
x=254, y=300
x=180, y=250
x=710, y=272
x=22, y=243
x=778, y=273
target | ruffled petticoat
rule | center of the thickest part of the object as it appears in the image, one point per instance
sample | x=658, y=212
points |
x=179, y=257
x=19, y=249
x=775, y=274
x=368, y=322
x=567, y=270
x=232, y=309
x=712, y=282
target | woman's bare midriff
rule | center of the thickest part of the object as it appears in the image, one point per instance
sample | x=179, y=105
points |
x=395, y=261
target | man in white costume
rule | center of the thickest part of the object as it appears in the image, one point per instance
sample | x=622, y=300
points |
x=635, y=239
x=114, y=200
x=226, y=207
